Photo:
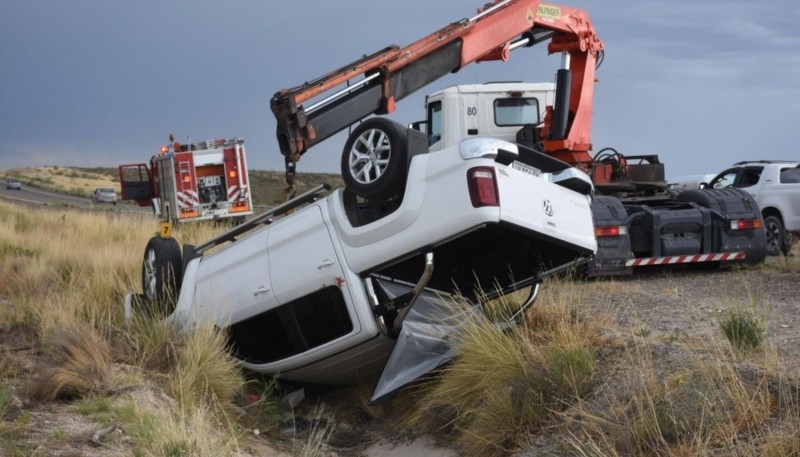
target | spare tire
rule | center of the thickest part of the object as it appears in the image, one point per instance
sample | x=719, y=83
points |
x=374, y=159
x=162, y=273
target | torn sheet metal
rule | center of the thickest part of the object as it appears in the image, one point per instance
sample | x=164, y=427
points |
x=424, y=342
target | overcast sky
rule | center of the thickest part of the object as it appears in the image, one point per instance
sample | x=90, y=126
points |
x=103, y=82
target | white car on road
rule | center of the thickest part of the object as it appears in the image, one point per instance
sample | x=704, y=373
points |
x=104, y=195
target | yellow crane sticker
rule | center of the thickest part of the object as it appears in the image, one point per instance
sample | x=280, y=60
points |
x=530, y=18
x=549, y=12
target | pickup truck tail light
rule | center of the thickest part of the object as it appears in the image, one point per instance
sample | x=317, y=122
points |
x=482, y=187
x=746, y=224
x=610, y=230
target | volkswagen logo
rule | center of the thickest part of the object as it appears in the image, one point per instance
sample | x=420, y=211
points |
x=547, y=207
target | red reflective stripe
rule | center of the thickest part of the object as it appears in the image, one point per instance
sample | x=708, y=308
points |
x=672, y=260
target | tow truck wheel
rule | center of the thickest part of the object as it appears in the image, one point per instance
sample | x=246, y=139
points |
x=374, y=159
x=778, y=239
x=162, y=272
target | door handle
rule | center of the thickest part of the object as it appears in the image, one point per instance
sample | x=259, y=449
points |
x=325, y=263
x=261, y=291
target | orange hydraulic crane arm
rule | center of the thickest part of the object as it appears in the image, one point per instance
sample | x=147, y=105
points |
x=394, y=73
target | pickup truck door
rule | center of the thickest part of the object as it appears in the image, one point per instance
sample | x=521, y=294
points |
x=234, y=284
x=302, y=260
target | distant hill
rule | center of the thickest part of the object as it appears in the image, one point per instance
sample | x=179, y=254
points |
x=266, y=185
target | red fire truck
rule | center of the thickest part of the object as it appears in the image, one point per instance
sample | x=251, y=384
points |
x=192, y=182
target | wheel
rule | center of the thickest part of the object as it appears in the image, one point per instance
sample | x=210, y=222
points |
x=702, y=197
x=374, y=159
x=162, y=272
x=779, y=241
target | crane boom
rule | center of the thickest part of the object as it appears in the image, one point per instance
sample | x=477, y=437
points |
x=394, y=73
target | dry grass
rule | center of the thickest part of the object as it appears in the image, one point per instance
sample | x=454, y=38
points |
x=568, y=374
x=178, y=433
x=75, y=181
x=205, y=373
x=64, y=274
x=267, y=186
x=82, y=366
x=706, y=404
x=509, y=383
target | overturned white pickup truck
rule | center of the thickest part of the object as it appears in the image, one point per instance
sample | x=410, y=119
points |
x=322, y=294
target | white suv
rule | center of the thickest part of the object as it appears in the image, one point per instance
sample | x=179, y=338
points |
x=322, y=295
x=776, y=188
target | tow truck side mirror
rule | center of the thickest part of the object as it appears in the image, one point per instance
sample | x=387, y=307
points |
x=419, y=126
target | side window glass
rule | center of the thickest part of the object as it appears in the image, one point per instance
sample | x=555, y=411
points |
x=298, y=326
x=749, y=177
x=790, y=176
x=516, y=111
x=434, y=122
x=724, y=180
x=322, y=316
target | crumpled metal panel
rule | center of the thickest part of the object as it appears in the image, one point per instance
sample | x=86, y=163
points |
x=424, y=342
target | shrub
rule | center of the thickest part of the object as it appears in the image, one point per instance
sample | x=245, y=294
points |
x=508, y=383
x=83, y=365
x=205, y=372
x=743, y=330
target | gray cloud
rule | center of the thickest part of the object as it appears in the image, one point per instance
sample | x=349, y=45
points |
x=99, y=83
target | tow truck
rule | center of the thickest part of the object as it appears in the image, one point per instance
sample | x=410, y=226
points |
x=192, y=182
x=639, y=219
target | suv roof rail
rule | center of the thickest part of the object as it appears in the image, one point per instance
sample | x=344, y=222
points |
x=764, y=161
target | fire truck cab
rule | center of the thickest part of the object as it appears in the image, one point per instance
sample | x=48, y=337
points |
x=192, y=182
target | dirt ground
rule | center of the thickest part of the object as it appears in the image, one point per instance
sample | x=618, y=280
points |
x=660, y=303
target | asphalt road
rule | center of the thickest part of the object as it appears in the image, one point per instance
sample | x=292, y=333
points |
x=36, y=196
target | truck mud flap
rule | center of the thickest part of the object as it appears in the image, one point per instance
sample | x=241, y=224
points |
x=614, y=247
x=610, y=265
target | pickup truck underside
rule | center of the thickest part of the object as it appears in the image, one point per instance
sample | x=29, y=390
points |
x=489, y=260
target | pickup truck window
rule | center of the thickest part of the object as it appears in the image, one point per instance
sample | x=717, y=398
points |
x=737, y=177
x=790, y=176
x=750, y=177
x=298, y=326
x=725, y=179
x=516, y=111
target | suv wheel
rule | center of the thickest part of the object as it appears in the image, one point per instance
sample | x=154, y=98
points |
x=779, y=241
x=374, y=159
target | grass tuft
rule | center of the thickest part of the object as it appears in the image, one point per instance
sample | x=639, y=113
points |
x=205, y=373
x=195, y=433
x=508, y=383
x=82, y=367
x=743, y=330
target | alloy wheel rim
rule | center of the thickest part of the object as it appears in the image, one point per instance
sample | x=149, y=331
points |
x=369, y=156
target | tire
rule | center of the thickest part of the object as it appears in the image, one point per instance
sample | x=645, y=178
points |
x=374, y=159
x=701, y=197
x=162, y=273
x=779, y=241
